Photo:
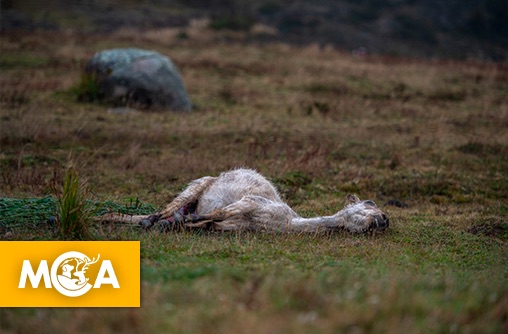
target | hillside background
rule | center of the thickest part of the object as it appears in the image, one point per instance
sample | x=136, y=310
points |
x=460, y=29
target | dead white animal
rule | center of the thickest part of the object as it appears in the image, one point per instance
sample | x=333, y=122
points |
x=242, y=199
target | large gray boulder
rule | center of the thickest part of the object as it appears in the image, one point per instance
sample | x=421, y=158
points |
x=139, y=78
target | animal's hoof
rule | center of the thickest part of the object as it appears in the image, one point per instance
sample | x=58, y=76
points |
x=145, y=223
x=179, y=219
x=154, y=218
x=165, y=226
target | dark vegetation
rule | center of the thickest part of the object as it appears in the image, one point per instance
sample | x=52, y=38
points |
x=462, y=29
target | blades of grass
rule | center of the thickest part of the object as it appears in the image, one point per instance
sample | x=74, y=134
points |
x=74, y=216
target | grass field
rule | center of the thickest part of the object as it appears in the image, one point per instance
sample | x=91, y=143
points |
x=320, y=124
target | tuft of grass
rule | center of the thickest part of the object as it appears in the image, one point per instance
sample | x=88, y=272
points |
x=87, y=90
x=73, y=214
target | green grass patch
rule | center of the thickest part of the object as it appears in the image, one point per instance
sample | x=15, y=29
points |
x=17, y=211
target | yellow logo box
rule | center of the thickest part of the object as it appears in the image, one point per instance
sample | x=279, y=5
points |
x=70, y=274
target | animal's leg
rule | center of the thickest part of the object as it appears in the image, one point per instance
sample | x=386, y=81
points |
x=189, y=195
x=121, y=218
x=233, y=211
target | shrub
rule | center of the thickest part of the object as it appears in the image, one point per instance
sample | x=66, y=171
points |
x=73, y=214
x=87, y=90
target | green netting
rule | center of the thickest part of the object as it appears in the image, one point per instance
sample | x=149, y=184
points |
x=38, y=210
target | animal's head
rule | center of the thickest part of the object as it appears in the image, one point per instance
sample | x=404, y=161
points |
x=363, y=216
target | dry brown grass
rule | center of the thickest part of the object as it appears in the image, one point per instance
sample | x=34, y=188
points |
x=320, y=124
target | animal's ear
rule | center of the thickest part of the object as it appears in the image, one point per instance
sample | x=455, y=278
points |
x=352, y=198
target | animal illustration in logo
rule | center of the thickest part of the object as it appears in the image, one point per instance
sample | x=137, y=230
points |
x=73, y=272
x=68, y=273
